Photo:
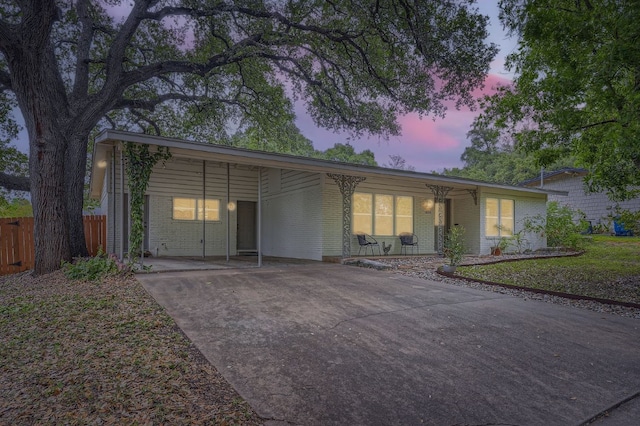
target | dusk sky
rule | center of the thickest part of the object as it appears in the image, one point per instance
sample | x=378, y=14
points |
x=427, y=144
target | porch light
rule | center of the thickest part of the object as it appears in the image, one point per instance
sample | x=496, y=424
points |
x=427, y=205
x=231, y=206
x=102, y=164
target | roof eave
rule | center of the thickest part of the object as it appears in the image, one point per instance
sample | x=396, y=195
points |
x=252, y=157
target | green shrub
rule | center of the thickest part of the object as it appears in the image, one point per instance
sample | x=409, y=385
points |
x=93, y=268
x=562, y=226
x=454, y=245
x=629, y=219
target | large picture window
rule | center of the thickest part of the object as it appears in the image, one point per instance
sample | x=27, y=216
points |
x=196, y=209
x=499, y=217
x=362, y=214
x=382, y=214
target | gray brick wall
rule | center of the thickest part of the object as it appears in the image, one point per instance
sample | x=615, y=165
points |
x=595, y=206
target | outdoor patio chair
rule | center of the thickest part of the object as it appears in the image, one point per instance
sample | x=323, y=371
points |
x=367, y=241
x=408, y=240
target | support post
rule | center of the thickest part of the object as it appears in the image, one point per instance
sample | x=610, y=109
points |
x=114, y=209
x=122, y=209
x=204, y=208
x=259, y=244
x=440, y=195
x=228, y=213
x=347, y=185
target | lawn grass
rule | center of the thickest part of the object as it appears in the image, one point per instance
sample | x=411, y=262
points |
x=76, y=353
x=609, y=269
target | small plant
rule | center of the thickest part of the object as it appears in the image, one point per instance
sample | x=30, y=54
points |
x=504, y=243
x=454, y=245
x=94, y=268
x=519, y=241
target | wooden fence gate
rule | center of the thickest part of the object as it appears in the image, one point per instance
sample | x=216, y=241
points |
x=17, y=245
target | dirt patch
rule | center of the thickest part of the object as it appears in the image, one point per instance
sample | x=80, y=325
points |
x=102, y=353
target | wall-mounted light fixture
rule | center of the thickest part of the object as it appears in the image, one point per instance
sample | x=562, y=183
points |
x=427, y=205
x=231, y=206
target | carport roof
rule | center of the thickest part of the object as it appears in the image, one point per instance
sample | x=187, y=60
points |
x=220, y=153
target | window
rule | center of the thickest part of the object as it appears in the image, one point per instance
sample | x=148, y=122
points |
x=499, y=217
x=196, y=209
x=384, y=215
x=211, y=209
x=381, y=214
x=404, y=215
x=184, y=208
x=362, y=217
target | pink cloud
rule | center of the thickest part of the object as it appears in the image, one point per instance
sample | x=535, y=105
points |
x=427, y=133
x=491, y=84
x=425, y=143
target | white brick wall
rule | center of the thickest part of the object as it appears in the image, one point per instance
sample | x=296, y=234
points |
x=529, y=205
x=292, y=220
x=423, y=223
x=302, y=215
x=331, y=219
x=169, y=237
x=180, y=177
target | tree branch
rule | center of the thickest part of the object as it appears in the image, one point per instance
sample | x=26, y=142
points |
x=14, y=183
x=142, y=117
x=115, y=56
x=83, y=54
x=588, y=126
x=150, y=104
x=228, y=57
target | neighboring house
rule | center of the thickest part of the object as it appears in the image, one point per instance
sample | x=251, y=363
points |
x=212, y=200
x=595, y=206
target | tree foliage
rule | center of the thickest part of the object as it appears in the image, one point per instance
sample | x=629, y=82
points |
x=194, y=68
x=577, y=87
x=492, y=158
x=345, y=153
x=285, y=139
x=13, y=163
x=15, y=207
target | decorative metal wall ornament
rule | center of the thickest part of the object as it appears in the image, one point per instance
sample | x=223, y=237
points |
x=347, y=185
x=474, y=194
x=440, y=194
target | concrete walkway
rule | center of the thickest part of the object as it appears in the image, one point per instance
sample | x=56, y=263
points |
x=328, y=344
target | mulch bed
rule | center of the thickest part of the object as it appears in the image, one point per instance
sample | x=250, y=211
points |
x=102, y=353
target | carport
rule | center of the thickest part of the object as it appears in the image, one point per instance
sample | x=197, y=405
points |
x=332, y=344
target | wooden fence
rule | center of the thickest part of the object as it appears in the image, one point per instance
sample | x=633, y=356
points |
x=17, y=246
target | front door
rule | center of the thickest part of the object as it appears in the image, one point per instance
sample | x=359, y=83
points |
x=246, y=227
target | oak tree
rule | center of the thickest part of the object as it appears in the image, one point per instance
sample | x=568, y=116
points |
x=71, y=66
x=577, y=87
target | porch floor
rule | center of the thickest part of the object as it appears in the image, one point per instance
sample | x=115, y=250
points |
x=193, y=263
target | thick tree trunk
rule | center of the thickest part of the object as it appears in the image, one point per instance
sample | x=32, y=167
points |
x=75, y=172
x=48, y=195
x=41, y=96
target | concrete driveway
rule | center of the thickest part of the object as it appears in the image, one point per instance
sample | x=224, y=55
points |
x=327, y=344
